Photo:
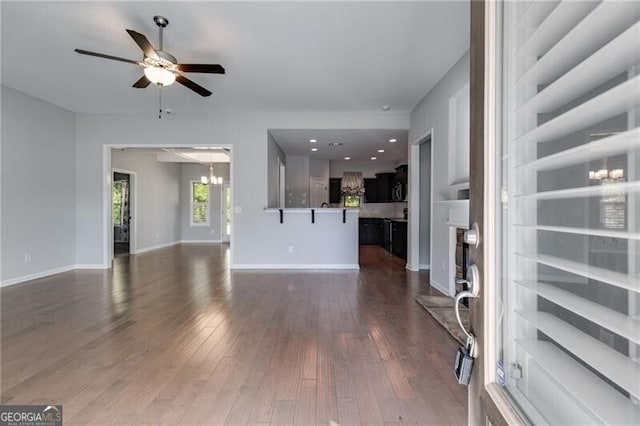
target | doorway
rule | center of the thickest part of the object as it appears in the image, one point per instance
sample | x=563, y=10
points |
x=121, y=212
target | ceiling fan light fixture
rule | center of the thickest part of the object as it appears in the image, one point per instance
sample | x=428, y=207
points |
x=159, y=75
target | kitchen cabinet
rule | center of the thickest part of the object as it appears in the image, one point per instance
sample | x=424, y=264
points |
x=335, y=190
x=371, y=190
x=385, y=186
x=402, y=174
x=399, y=238
x=369, y=231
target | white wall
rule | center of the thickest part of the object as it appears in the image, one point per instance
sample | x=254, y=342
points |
x=189, y=173
x=258, y=237
x=368, y=168
x=432, y=114
x=297, y=181
x=38, y=187
x=156, y=197
x=274, y=152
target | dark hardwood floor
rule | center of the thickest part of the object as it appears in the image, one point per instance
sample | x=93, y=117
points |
x=175, y=337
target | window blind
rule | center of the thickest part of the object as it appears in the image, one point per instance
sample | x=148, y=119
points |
x=570, y=210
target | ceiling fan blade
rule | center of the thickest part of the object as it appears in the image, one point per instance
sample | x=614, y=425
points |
x=100, y=55
x=144, y=44
x=192, y=85
x=142, y=83
x=204, y=68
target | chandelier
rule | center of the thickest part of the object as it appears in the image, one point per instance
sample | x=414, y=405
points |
x=211, y=179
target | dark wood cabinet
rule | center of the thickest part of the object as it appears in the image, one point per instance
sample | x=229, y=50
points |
x=371, y=190
x=369, y=231
x=385, y=186
x=334, y=190
x=402, y=174
x=399, y=238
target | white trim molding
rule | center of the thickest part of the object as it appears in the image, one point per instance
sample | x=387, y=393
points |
x=425, y=266
x=37, y=275
x=295, y=266
x=157, y=247
x=200, y=241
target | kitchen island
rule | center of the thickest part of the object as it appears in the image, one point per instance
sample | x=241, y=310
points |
x=319, y=238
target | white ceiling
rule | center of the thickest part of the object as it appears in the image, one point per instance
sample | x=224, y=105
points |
x=311, y=56
x=359, y=145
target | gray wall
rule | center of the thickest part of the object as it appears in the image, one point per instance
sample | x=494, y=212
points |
x=425, y=205
x=191, y=172
x=258, y=238
x=37, y=186
x=433, y=113
x=297, y=181
x=156, y=197
x=319, y=168
x=273, y=153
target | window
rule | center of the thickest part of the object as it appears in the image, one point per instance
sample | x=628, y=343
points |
x=569, y=322
x=199, y=204
x=352, y=201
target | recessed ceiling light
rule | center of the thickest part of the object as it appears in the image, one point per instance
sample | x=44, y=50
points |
x=374, y=158
x=314, y=149
x=386, y=107
x=347, y=158
x=393, y=140
x=313, y=140
x=381, y=150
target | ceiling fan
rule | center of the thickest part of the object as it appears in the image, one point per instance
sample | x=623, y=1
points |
x=161, y=67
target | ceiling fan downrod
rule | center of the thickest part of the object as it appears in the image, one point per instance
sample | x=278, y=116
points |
x=161, y=22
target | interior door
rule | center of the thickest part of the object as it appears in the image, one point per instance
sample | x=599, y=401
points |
x=319, y=191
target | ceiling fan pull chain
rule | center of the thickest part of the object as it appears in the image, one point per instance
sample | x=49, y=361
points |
x=160, y=101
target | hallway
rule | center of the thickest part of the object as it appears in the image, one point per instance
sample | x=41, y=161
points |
x=174, y=337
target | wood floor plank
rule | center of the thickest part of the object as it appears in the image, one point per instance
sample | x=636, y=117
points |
x=174, y=337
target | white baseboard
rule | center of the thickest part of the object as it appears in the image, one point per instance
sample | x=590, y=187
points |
x=37, y=275
x=200, y=241
x=295, y=266
x=89, y=266
x=156, y=247
x=439, y=287
x=425, y=266
x=411, y=268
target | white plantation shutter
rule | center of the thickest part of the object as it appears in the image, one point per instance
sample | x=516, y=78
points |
x=571, y=210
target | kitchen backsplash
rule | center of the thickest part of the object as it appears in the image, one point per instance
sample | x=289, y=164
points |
x=382, y=210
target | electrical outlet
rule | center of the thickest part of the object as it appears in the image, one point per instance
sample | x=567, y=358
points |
x=27, y=257
x=290, y=249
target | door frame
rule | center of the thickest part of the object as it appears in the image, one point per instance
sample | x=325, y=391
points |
x=133, y=193
x=413, y=247
x=107, y=177
x=488, y=402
